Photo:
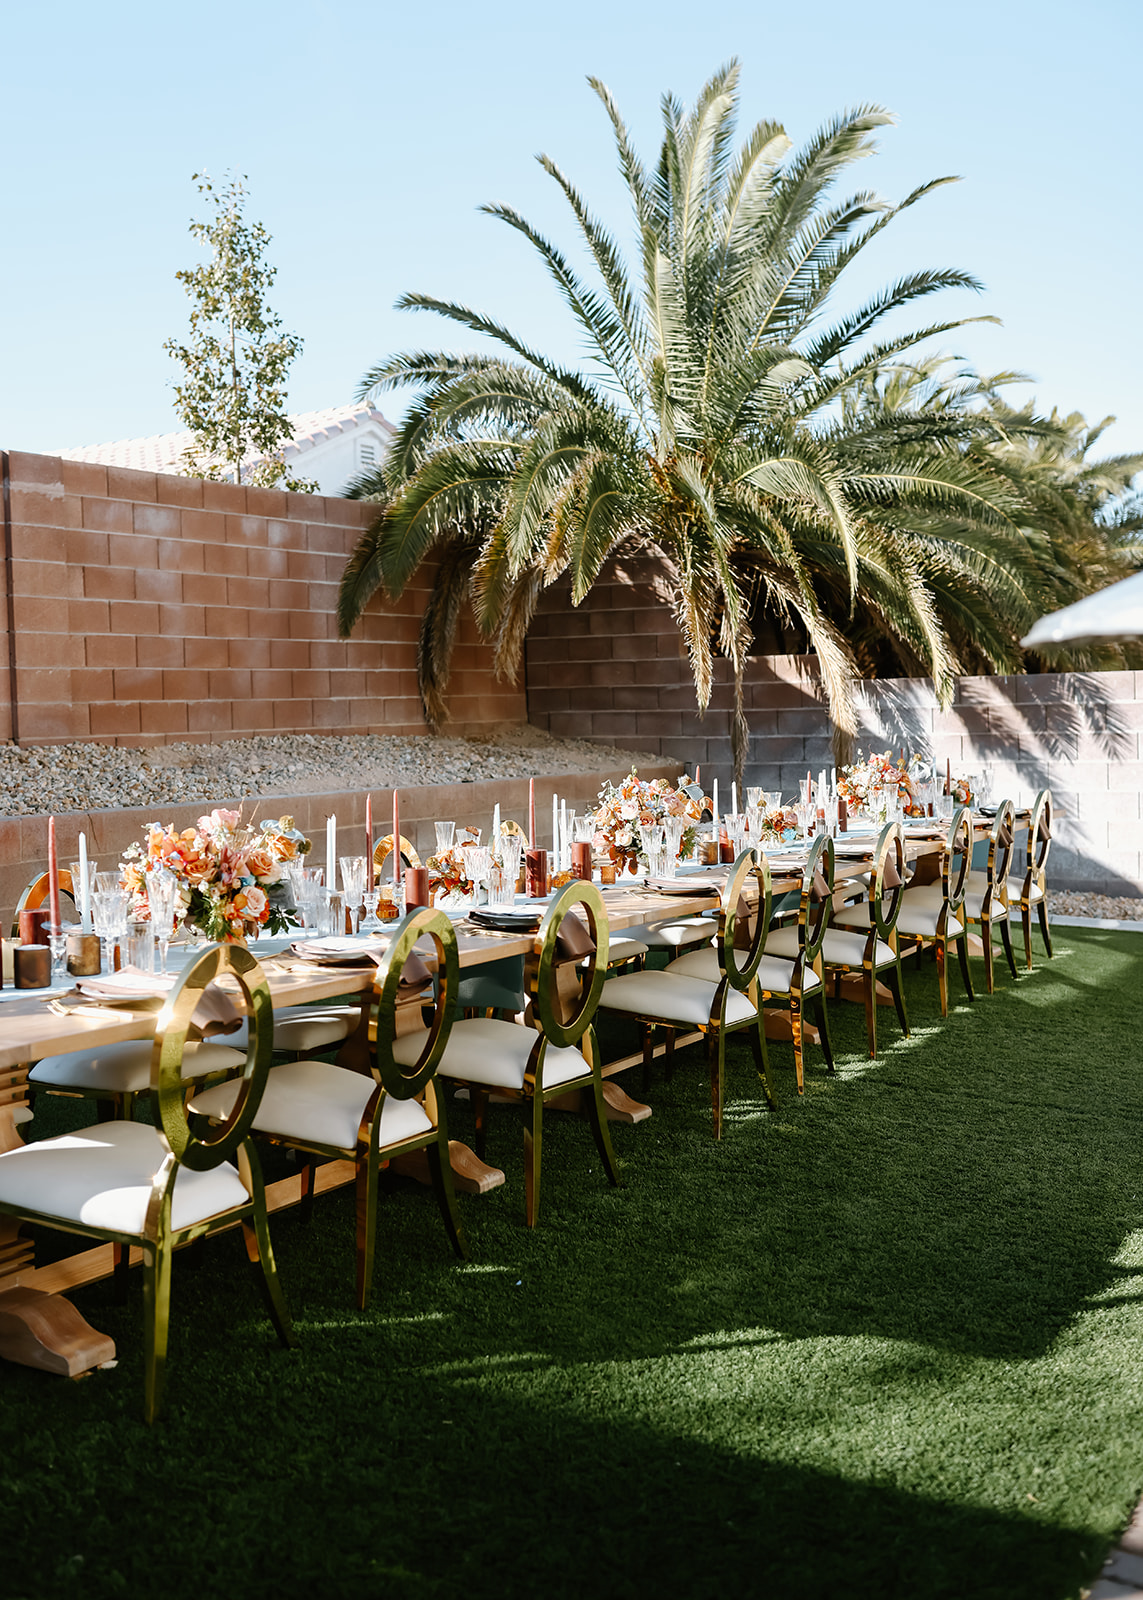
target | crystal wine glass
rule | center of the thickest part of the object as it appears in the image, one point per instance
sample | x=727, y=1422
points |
x=162, y=892
x=353, y=882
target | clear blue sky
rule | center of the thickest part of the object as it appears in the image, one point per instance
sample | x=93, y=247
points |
x=370, y=134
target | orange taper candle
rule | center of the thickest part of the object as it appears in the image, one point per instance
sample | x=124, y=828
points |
x=396, y=841
x=369, y=841
x=54, y=876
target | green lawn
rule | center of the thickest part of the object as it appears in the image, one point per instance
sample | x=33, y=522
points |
x=885, y=1342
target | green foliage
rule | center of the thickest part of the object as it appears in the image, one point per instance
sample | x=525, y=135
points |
x=233, y=394
x=724, y=426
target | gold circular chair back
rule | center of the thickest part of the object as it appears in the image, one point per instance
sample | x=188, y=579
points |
x=817, y=897
x=37, y=892
x=958, y=843
x=403, y=1082
x=193, y=1148
x=884, y=896
x=1001, y=841
x=1040, y=832
x=751, y=863
x=384, y=848
x=545, y=999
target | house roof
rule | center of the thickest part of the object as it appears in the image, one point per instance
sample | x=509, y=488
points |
x=163, y=452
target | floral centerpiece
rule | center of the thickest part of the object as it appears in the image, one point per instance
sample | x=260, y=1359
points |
x=447, y=872
x=636, y=804
x=774, y=826
x=229, y=873
x=878, y=784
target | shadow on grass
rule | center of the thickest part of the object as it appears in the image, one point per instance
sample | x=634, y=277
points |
x=878, y=1342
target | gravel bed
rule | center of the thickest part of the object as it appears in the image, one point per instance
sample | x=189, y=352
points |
x=1076, y=903
x=91, y=777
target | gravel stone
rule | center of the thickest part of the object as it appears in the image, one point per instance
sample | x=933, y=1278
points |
x=94, y=777
x=1076, y=903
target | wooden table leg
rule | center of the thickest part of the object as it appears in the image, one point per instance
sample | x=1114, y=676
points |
x=777, y=1025
x=470, y=1175
x=853, y=988
x=618, y=1105
x=46, y=1331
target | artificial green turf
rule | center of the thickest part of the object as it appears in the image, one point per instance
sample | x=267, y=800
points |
x=885, y=1342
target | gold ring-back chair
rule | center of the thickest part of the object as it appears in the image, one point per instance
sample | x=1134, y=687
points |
x=161, y=1186
x=711, y=990
x=386, y=1107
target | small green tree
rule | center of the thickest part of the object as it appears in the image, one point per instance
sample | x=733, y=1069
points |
x=233, y=396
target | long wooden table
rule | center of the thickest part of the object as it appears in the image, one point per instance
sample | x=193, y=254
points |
x=29, y=1031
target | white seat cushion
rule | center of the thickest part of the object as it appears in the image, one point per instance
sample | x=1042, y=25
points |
x=125, y=1068
x=673, y=997
x=839, y=948
x=623, y=948
x=931, y=895
x=774, y=974
x=101, y=1178
x=316, y=1103
x=302, y=1029
x=490, y=1051
x=1016, y=890
x=917, y=919
x=671, y=935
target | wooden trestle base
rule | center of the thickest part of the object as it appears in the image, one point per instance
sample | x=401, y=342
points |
x=46, y=1331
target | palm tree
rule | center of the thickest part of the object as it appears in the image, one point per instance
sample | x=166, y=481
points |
x=715, y=428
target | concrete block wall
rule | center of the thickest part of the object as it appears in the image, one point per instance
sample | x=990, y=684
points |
x=615, y=664
x=151, y=608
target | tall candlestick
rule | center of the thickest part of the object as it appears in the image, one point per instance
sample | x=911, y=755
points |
x=496, y=826
x=821, y=786
x=555, y=831
x=531, y=813
x=734, y=797
x=331, y=852
x=948, y=775
x=84, y=887
x=53, y=876
x=833, y=780
x=396, y=841
x=565, y=840
x=369, y=841
x=714, y=804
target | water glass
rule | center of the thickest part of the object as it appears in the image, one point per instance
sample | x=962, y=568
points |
x=673, y=828
x=807, y=814
x=446, y=832
x=735, y=823
x=140, y=945
x=830, y=806
x=104, y=881
x=501, y=885
x=754, y=797
x=583, y=828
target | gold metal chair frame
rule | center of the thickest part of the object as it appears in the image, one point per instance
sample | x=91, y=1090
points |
x=553, y=985
x=37, y=892
x=883, y=930
x=733, y=978
x=814, y=907
x=953, y=890
x=1035, y=875
x=1001, y=842
x=384, y=848
x=399, y=1082
x=188, y=1148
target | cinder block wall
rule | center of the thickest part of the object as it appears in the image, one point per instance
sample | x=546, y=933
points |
x=150, y=608
x=614, y=667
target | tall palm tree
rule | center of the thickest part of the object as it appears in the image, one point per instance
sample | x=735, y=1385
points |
x=710, y=429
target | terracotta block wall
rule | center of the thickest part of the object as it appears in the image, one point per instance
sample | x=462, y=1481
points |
x=151, y=608
x=613, y=668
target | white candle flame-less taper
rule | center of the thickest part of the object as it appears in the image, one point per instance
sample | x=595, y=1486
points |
x=331, y=852
x=84, y=887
